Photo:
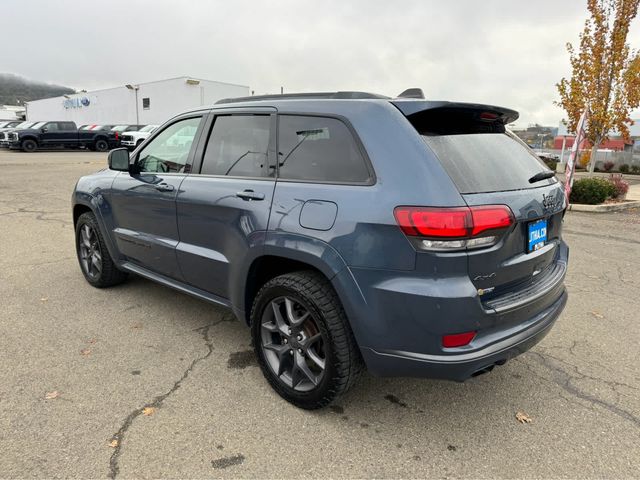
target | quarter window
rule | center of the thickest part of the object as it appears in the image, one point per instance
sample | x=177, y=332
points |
x=169, y=151
x=238, y=146
x=319, y=149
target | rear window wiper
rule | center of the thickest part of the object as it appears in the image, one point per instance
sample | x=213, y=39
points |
x=542, y=176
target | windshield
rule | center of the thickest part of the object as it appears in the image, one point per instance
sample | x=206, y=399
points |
x=38, y=125
x=148, y=128
x=119, y=128
x=23, y=125
x=486, y=162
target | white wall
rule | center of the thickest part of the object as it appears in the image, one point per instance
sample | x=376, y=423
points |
x=118, y=105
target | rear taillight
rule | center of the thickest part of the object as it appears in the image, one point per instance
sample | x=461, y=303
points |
x=459, y=228
x=117, y=136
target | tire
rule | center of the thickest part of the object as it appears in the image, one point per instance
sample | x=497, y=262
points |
x=29, y=145
x=101, y=145
x=280, y=349
x=102, y=272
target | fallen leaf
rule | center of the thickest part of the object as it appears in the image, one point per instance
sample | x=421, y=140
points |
x=85, y=351
x=113, y=443
x=136, y=326
x=148, y=411
x=51, y=395
x=523, y=417
x=597, y=314
x=44, y=299
x=92, y=340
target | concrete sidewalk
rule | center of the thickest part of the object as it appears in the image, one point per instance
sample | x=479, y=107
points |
x=634, y=192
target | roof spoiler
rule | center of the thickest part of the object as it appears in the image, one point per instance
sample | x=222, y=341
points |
x=485, y=113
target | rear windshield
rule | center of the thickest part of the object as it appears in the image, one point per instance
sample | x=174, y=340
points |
x=486, y=162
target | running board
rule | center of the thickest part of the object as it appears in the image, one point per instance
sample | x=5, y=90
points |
x=181, y=287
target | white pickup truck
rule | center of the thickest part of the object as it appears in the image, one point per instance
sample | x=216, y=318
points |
x=131, y=140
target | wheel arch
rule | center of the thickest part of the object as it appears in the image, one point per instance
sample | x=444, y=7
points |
x=85, y=203
x=275, y=259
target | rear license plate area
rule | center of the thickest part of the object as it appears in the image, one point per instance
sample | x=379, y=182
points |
x=536, y=235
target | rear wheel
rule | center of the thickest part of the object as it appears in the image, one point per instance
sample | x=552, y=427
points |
x=29, y=145
x=101, y=145
x=302, y=339
x=97, y=265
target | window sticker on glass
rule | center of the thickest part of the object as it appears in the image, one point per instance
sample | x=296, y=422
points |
x=315, y=134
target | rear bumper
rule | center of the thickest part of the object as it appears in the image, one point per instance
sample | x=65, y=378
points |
x=399, y=319
x=462, y=366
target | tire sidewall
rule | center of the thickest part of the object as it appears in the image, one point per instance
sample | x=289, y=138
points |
x=89, y=219
x=101, y=143
x=272, y=290
x=29, y=142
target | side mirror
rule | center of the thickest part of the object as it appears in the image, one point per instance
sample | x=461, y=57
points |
x=44, y=129
x=119, y=160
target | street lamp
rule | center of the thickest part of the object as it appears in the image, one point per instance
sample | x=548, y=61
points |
x=135, y=88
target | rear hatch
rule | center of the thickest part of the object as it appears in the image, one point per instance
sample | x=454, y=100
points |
x=490, y=166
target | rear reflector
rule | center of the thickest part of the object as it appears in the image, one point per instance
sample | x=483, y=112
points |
x=458, y=339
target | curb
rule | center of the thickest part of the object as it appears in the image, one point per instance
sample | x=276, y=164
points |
x=611, y=207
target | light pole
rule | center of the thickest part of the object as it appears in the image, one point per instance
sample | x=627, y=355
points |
x=135, y=89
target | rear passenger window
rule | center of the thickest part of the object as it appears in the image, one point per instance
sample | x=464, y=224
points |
x=238, y=146
x=319, y=149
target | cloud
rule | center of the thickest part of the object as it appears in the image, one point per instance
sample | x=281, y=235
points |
x=505, y=53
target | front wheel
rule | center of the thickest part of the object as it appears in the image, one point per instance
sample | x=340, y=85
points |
x=96, y=264
x=303, y=341
x=29, y=146
x=101, y=145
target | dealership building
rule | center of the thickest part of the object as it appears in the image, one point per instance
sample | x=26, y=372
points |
x=135, y=104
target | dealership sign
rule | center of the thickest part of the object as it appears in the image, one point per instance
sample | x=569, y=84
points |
x=76, y=102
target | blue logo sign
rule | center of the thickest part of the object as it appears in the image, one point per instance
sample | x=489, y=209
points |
x=76, y=102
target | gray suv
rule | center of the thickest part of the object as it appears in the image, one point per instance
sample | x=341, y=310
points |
x=347, y=230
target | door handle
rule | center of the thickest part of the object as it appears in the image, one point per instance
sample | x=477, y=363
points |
x=164, y=187
x=250, y=195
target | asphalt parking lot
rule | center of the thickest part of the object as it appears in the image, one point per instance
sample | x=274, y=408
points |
x=173, y=381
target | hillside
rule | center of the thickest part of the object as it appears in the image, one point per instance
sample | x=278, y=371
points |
x=15, y=90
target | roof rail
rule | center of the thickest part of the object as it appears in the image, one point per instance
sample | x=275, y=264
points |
x=302, y=96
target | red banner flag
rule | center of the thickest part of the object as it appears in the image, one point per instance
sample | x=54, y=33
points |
x=571, y=163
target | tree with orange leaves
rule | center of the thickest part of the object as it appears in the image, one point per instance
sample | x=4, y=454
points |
x=605, y=76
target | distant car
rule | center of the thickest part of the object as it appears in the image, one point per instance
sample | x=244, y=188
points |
x=87, y=127
x=131, y=140
x=127, y=128
x=59, y=134
x=4, y=142
x=101, y=127
x=9, y=124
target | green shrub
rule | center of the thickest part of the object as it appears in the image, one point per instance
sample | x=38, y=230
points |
x=624, y=168
x=635, y=169
x=591, y=191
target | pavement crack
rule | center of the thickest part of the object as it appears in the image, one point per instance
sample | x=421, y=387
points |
x=564, y=379
x=157, y=402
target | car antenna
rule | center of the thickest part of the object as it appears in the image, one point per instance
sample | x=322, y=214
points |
x=412, y=93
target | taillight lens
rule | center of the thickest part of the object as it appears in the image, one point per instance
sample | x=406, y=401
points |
x=456, y=228
x=117, y=136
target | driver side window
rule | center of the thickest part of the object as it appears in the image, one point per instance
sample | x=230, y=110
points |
x=169, y=151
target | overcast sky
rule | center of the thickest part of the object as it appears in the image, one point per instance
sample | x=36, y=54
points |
x=508, y=53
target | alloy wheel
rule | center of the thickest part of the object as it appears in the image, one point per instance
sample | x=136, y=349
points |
x=90, y=253
x=292, y=344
